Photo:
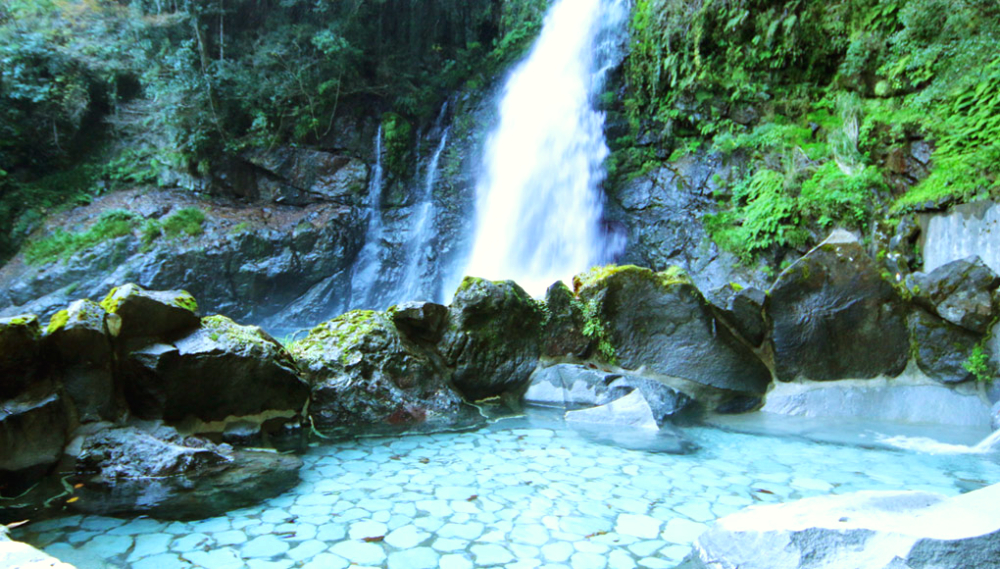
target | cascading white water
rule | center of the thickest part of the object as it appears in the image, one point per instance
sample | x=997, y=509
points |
x=422, y=233
x=539, y=205
x=367, y=266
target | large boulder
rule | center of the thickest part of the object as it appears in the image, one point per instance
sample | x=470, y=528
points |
x=493, y=338
x=80, y=351
x=34, y=419
x=836, y=318
x=960, y=292
x=137, y=315
x=33, y=432
x=219, y=371
x=152, y=470
x=942, y=349
x=660, y=323
x=19, y=353
x=364, y=372
x=877, y=530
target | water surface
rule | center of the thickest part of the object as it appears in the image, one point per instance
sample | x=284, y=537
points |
x=521, y=493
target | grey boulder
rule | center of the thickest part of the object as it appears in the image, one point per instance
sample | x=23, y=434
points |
x=219, y=370
x=660, y=323
x=836, y=318
x=960, y=292
x=877, y=530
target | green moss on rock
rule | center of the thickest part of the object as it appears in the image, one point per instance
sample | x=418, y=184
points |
x=601, y=277
x=58, y=321
x=186, y=301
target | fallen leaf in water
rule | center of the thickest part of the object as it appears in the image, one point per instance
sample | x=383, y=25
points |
x=375, y=539
x=73, y=499
x=596, y=533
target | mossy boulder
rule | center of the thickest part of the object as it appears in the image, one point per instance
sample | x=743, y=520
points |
x=140, y=314
x=940, y=348
x=19, y=353
x=835, y=317
x=562, y=333
x=493, y=338
x=80, y=350
x=365, y=373
x=960, y=292
x=660, y=323
x=219, y=371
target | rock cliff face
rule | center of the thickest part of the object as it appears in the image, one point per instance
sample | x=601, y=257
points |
x=283, y=230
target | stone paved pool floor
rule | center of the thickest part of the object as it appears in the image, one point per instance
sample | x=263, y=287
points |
x=519, y=495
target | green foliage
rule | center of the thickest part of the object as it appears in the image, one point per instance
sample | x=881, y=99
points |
x=596, y=329
x=978, y=364
x=397, y=135
x=61, y=244
x=836, y=89
x=187, y=221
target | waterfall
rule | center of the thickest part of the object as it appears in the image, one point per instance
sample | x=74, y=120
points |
x=367, y=266
x=539, y=206
x=422, y=235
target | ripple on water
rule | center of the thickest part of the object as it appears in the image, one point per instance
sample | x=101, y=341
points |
x=504, y=496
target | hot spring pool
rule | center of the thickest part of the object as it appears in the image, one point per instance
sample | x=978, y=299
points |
x=521, y=493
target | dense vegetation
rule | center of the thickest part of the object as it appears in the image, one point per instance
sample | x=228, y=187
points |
x=822, y=100
x=820, y=103
x=96, y=94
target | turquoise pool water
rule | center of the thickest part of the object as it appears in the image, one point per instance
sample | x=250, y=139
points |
x=521, y=493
